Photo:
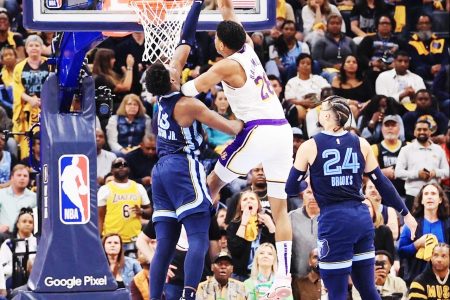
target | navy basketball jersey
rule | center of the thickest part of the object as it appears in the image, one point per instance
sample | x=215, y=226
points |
x=172, y=138
x=336, y=174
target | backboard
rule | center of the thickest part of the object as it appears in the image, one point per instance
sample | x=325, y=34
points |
x=116, y=15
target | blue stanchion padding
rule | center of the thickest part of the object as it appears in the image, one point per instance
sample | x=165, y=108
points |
x=70, y=261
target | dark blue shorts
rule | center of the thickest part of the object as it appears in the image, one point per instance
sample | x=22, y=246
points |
x=179, y=188
x=345, y=235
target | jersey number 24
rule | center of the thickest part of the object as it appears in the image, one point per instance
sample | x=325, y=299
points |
x=333, y=165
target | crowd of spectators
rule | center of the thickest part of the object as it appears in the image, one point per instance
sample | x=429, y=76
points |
x=383, y=56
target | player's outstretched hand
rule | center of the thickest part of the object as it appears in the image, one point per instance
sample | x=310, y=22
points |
x=411, y=222
x=237, y=126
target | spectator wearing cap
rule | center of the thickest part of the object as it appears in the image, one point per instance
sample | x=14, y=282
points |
x=304, y=90
x=221, y=285
x=387, y=284
x=304, y=239
x=7, y=37
x=29, y=76
x=420, y=162
x=388, y=149
x=372, y=116
x=426, y=110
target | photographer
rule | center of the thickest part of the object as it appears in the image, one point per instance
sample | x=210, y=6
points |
x=399, y=83
x=389, y=286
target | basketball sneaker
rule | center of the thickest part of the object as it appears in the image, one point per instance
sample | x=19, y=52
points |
x=280, y=289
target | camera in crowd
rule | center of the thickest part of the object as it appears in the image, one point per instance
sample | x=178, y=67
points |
x=379, y=264
x=103, y=102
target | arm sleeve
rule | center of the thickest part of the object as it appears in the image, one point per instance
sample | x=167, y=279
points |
x=294, y=181
x=387, y=191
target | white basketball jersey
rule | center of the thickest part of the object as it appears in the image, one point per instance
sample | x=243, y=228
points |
x=256, y=99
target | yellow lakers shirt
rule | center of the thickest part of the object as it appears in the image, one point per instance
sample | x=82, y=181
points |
x=119, y=217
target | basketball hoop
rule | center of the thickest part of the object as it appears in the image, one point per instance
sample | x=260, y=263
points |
x=162, y=21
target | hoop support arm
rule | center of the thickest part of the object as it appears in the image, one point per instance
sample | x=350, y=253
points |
x=69, y=55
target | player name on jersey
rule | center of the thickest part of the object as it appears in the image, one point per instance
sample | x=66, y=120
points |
x=255, y=63
x=341, y=180
x=167, y=134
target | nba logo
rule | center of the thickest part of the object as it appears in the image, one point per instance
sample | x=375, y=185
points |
x=74, y=198
x=53, y=4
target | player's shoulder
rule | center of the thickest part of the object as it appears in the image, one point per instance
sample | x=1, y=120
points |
x=186, y=103
x=364, y=143
x=309, y=144
x=227, y=65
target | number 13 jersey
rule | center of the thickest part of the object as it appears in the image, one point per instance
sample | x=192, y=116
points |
x=336, y=173
x=256, y=99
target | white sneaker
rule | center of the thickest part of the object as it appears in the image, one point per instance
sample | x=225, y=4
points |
x=280, y=289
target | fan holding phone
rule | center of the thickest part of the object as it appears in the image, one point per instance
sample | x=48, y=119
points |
x=388, y=285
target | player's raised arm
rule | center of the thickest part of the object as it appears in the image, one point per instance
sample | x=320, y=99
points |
x=194, y=109
x=227, y=10
x=203, y=83
x=385, y=187
x=187, y=39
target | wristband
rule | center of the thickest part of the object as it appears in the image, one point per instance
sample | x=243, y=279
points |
x=189, y=89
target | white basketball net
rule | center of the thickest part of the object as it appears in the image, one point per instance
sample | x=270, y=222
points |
x=162, y=22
